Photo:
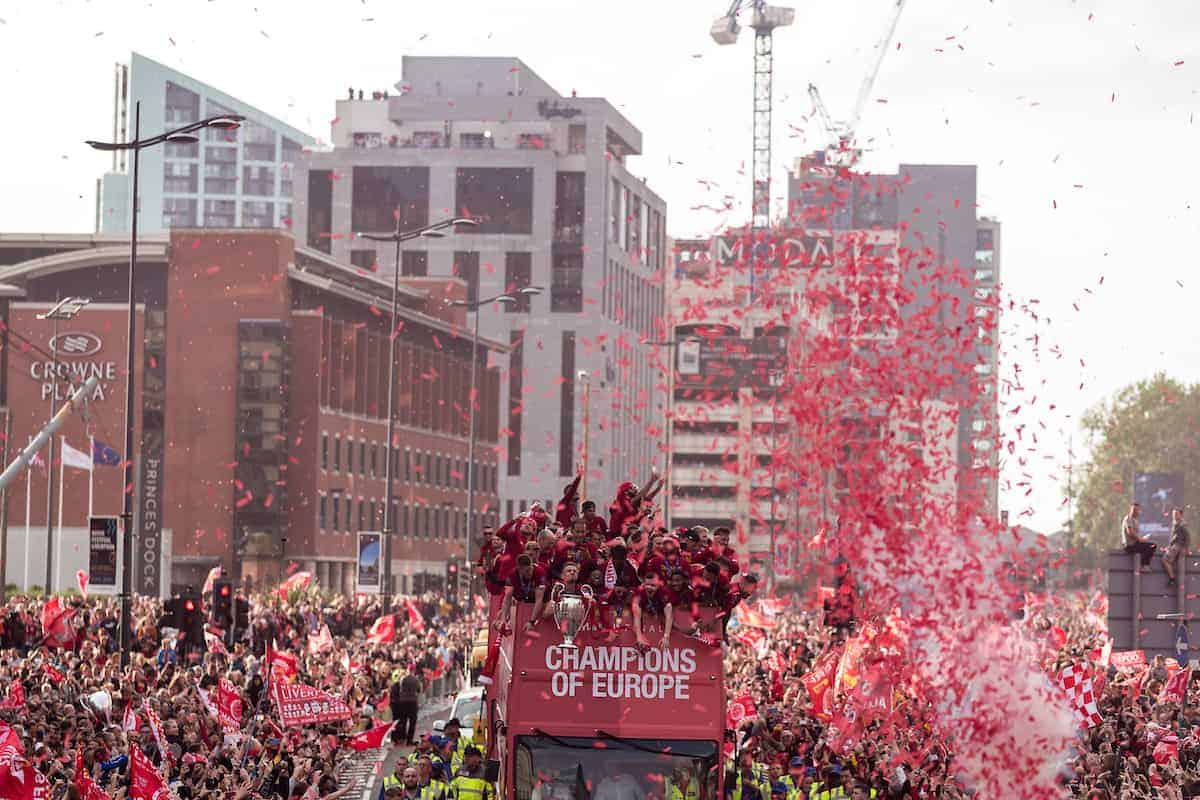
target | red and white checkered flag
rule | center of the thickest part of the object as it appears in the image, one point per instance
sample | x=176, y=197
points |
x=1077, y=683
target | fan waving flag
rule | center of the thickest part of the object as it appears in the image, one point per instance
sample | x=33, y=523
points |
x=56, y=623
x=303, y=705
x=16, y=696
x=370, y=739
x=1076, y=682
x=144, y=781
x=415, y=620
x=298, y=582
x=384, y=630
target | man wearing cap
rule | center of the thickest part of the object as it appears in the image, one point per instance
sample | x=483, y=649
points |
x=748, y=783
x=425, y=749
x=795, y=779
x=454, y=750
x=469, y=782
x=830, y=785
x=279, y=766
x=682, y=785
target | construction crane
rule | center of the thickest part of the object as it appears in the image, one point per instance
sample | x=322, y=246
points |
x=842, y=152
x=764, y=20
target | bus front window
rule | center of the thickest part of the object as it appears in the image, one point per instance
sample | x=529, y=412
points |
x=575, y=768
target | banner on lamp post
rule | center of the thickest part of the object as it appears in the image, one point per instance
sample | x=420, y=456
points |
x=370, y=562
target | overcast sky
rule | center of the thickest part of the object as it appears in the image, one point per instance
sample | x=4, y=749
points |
x=1080, y=116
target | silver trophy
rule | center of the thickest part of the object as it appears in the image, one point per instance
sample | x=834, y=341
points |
x=570, y=611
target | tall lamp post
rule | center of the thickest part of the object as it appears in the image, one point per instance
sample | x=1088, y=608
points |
x=398, y=236
x=183, y=135
x=473, y=306
x=66, y=308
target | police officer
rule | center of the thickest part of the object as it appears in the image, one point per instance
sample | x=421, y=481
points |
x=682, y=785
x=425, y=749
x=455, y=748
x=394, y=783
x=431, y=783
x=748, y=783
x=469, y=783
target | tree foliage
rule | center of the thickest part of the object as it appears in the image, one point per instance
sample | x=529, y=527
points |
x=1149, y=426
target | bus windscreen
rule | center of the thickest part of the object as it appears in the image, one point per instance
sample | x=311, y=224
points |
x=577, y=768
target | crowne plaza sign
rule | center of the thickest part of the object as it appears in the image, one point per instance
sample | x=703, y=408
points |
x=76, y=357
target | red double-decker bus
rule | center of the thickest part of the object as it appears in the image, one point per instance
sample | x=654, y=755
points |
x=606, y=720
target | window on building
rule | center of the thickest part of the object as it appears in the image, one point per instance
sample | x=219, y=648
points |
x=501, y=198
x=364, y=259
x=214, y=109
x=378, y=192
x=533, y=141
x=181, y=106
x=518, y=274
x=337, y=512
x=288, y=159
x=466, y=267
x=182, y=150
x=337, y=454
x=322, y=510
x=566, y=283
x=258, y=180
x=220, y=178
x=349, y=456
x=362, y=516
x=516, y=359
x=371, y=520
x=349, y=514
x=258, y=214
x=180, y=176
x=258, y=142
x=220, y=213
x=320, y=209
x=566, y=411
x=476, y=141
x=569, y=207
x=325, y=451
x=414, y=263
x=179, y=212
x=362, y=458
x=576, y=138
x=374, y=460
x=614, y=216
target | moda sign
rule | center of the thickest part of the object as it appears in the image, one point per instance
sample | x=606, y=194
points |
x=75, y=361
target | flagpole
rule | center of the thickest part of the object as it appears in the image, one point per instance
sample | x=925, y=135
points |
x=28, y=533
x=91, y=475
x=61, y=487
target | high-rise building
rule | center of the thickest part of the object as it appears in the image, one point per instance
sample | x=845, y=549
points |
x=728, y=356
x=228, y=179
x=548, y=179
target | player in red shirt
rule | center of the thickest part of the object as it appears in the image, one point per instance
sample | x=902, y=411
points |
x=651, y=600
x=720, y=549
x=667, y=559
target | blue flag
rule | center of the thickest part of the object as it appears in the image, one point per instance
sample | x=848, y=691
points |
x=104, y=455
x=1181, y=645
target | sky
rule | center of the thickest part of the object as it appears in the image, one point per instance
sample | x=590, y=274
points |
x=1079, y=115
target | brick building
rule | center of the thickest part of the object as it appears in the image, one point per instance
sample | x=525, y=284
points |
x=262, y=382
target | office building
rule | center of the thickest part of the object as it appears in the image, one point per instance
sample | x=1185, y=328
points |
x=262, y=380
x=731, y=342
x=549, y=179
x=229, y=179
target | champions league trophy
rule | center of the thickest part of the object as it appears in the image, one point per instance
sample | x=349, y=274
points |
x=570, y=610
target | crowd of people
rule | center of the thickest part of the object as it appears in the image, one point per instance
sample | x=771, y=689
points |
x=72, y=710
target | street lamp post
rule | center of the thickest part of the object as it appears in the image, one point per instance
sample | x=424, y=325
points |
x=398, y=236
x=473, y=306
x=64, y=309
x=183, y=135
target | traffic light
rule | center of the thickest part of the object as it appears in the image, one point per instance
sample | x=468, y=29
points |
x=222, y=603
x=242, y=612
x=453, y=570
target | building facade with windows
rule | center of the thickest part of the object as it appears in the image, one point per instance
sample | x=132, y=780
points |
x=262, y=427
x=229, y=179
x=548, y=178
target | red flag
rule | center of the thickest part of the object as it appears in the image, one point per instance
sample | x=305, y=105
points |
x=20, y=780
x=88, y=790
x=225, y=705
x=1128, y=661
x=819, y=684
x=16, y=696
x=56, y=623
x=81, y=579
x=298, y=582
x=370, y=739
x=1077, y=685
x=144, y=781
x=321, y=641
x=52, y=673
x=739, y=709
x=130, y=721
x=384, y=630
x=214, y=642
x=1175, y=689
x=283, y=663
x=10, y=745
x=415, y=620
x=303, y=705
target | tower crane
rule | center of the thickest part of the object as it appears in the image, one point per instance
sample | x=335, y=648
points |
x=842, y=152
x=764, y=20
